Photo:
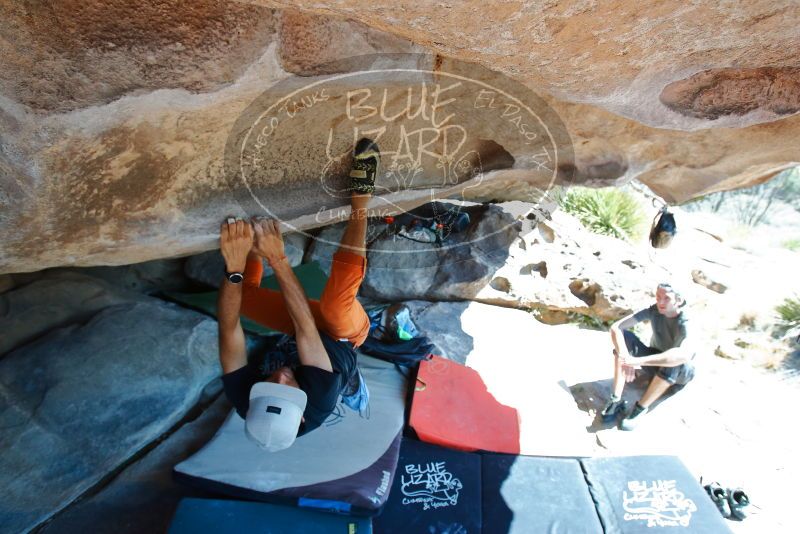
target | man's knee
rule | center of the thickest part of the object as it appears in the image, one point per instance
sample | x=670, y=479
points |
x=665, y=379
x=673, y=376
x=677, y=376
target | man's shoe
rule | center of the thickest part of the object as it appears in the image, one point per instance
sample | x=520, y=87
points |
x=719, y=495
x=738, y=501
x=612, y=410
x=632, y=420
x=366, y=161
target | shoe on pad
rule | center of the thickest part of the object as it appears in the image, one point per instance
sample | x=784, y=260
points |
x=719, y=496
x=738, y=502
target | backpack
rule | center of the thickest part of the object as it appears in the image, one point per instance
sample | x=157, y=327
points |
x=404, y=353
x=431, y=223
x=392, y=323
x=663, y=229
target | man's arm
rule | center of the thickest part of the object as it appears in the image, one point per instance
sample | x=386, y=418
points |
x=669, y=358
x=236, y=240
x=269, y=244
x=617, y=338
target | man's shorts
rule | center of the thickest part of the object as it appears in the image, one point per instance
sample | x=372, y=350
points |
x=679, y=375
x=337, y=313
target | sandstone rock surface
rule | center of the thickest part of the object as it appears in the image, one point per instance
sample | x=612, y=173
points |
x=617, y=55
x=115, y=118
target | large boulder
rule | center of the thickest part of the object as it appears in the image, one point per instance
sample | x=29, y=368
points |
x=146, y=277
x=144, y=496
x=438, y=321
x=6, y=283
x=116, y=117
x=78, y=403
x=56, y=300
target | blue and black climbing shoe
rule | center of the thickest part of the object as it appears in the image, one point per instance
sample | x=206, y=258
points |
x=613, y=408
x=366, y=161
x=632, y=420
x=738, y=501
x=719, y=496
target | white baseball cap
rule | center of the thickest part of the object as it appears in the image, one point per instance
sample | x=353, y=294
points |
x=274, y=415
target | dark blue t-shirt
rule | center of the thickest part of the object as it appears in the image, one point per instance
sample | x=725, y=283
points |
x=322, y=387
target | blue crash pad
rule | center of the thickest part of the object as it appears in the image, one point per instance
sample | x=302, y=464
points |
x=435, y=491
x=195, y=516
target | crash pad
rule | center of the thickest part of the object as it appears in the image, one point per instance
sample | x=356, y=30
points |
x=452, y=407
x=435, y=491
x=346, y=465
x=523, y=494
x=194, y=516
x=645, y=494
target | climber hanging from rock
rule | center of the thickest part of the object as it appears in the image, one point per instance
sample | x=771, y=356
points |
x=320, y=360
x=669, y=359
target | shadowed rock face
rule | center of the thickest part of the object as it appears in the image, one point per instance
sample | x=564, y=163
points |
x=114, y=116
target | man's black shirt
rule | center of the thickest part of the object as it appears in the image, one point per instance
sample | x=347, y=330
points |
x=322, y=387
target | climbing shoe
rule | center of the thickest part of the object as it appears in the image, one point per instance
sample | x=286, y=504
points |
x=613, y=408
x=719, y=496
x=738, y=501
x=366, y=161
x=632, y=420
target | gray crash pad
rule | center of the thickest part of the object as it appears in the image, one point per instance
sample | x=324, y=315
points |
x=524, y=494
x=645, y=494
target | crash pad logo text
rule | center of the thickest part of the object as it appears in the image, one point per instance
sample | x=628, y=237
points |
x=430, y=484
x=658, y=502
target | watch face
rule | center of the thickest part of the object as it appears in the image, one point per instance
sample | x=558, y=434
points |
x=235, y=278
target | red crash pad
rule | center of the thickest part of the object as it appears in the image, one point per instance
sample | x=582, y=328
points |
x=452, y=407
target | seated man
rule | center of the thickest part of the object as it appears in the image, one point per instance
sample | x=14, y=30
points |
x=292, y=401
x=669, y=358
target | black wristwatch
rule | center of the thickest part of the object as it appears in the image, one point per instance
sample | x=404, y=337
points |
x=234, y=278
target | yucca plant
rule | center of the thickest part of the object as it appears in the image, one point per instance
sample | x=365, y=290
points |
x=789, y=312
x=607, y=211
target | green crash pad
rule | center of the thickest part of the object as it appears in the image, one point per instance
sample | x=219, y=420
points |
x=311, y=277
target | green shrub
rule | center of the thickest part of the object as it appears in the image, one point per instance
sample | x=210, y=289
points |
x=605, y=211
x=789, y=312
x=792, y=244
x=588, y=321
